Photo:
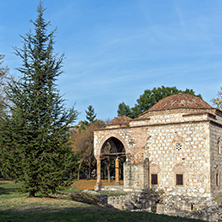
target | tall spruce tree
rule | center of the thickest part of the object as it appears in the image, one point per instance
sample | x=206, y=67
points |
x=4, y=78
x=34, y=136
x=90, y=114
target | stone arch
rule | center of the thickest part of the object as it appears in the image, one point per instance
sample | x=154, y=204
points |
x=178, y=140
x=179, y=174
x=179, y=168
x=154, y=168
x=111, y=149
x=120, y=148
x=106, y=138
x=154, y=171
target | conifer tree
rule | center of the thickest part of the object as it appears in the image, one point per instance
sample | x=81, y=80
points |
x=90, y=114
x=4, y=78
x=34, y=136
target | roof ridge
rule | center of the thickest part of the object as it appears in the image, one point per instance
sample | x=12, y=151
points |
x=178, y=101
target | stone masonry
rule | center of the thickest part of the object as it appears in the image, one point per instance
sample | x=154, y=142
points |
x=175, y=148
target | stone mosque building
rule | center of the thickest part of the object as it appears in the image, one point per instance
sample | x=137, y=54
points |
x=175, y=146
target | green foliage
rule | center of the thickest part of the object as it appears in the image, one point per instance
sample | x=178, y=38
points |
x=82, y=145
x=34, y=136
x=124, y=110
x=218, y=101
x=91, y=118
x=4, y=78
x=3, y=70
x=113, y=193
x=148, y=99
x=16, y=207
x=90, y=114
x=81, y=125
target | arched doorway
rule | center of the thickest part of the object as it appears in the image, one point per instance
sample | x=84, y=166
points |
x=110, y=164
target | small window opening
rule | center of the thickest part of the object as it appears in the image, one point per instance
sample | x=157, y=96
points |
x=154, y=179
x=219, y=143
x=179, y=146
x=217, y=179
x=179, y=179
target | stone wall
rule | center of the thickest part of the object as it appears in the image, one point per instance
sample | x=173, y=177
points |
x=216, y=158
x=136, y=200
x=172, y=116
x=185, y=202
x=136, y=176
x=191, y=159
x=203, y=208
x=211, y=213
x=177, y=206
x=175, y=142
x=158, y=143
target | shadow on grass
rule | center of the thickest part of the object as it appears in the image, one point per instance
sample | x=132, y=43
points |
x=85, y=198
x=81, y=214
x=8, y=186
x=8, y=190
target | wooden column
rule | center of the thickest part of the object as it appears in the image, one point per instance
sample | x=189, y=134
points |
x=98, y=182
x=117, y=170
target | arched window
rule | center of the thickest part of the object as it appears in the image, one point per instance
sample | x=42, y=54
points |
x=179, y=171
x=154, y=171
x=179, y=179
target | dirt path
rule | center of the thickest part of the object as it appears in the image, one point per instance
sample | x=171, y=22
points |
x=89, y=184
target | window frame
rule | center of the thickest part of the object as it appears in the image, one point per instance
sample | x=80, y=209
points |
x=219, y=145
x=178, y=146
x=154, y=178
x=217, y=179
x=179, y=181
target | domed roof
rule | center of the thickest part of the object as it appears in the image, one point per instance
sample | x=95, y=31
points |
x=179, y=101
x=119, y=120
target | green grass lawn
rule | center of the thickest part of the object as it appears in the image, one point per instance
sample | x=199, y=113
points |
x=17, y=207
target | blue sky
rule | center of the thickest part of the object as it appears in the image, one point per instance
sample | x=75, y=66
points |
x=118, y=48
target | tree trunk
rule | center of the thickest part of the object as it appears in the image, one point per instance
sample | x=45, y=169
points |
x=79, y=170
x=70, y=173
x=32, y=194
x=89, y=170
x=108, y=169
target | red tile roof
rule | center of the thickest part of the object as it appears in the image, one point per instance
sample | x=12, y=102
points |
x=179, y=101
x=120, y=120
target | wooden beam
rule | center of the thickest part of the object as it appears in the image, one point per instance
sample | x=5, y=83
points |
x=113, y=154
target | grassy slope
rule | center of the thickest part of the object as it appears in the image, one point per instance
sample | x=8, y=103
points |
x=17, y=207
